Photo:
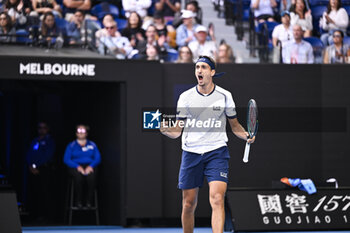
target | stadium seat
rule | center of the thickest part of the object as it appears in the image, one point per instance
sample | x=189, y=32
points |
x=269, y=26
x=152, y=8
x=122, y=23
x=22, y=36
x=347, y=8
x=318, y=3
x=172, y=55
x=61, y=23
x=100, y=10
x=346, y=40
x=317, y=46
x=264, y=34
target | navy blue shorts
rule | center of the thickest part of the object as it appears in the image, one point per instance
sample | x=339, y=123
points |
x=213, y=165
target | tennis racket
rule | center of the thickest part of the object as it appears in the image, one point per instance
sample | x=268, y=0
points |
x=252, y=125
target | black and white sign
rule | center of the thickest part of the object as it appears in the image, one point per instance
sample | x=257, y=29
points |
x=292, y=209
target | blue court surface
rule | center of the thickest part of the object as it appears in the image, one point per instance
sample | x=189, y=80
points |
x=106, y=229
x=110, y=229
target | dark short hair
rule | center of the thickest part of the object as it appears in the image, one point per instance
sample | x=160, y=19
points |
x=340, y=31
x=194, y=3
x=81, y=12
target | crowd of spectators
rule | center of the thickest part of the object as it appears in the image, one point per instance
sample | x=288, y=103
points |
x=156, y=29
x=304, y=31
x=124, y=29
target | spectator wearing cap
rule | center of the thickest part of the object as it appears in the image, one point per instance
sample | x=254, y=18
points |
x=185, y=32
x=201, y=46
x=191, y=6
x=168, y=8
x=282, y=33
x=139, y=6
x=297, y=51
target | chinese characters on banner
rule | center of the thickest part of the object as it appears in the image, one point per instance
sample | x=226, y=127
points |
x=295, y=209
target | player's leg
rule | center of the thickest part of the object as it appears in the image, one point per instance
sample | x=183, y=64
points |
x=189, y=204
x=216, y=171
x=217, y=190
x=190, y=179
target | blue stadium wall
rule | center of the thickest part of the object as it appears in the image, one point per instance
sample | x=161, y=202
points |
x=304, y=125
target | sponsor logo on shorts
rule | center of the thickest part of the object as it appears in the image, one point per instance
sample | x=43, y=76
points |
x=223, y=174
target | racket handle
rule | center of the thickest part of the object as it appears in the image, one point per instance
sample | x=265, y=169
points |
x=246, y=152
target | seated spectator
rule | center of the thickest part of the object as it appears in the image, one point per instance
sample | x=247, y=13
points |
x=17, y=10
x=282, y=33
x=225, y=54
x=50, y=33
x=82, y=157
x=302, y=16
x=297, y=51
x=116, y=45
x=185, y=32
x=168, y=8
x=191, y=6
x=263, y=10
x=75, y=28
x=133, y=30
x=7, y=32
x=138, y=6
x=103, y=31
x=42, y=6
x=73, y=5
x=152, y=38
x=185, y=55
x=335, y=18
x=338, y=52
x=163, y=29
x=201, y=46
x=152, y=53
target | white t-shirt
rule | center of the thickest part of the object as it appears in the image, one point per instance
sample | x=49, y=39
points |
x=263, y=9
x=282, y=34
x=207, y=49
x=340, y=18
x=205, y=124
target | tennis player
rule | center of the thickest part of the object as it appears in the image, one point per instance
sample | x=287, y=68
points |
x=205, y=152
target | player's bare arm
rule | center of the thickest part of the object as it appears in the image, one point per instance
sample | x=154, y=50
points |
x=239, y=131
x=171, y=132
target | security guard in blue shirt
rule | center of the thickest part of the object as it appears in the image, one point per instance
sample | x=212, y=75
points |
x=40, y=161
